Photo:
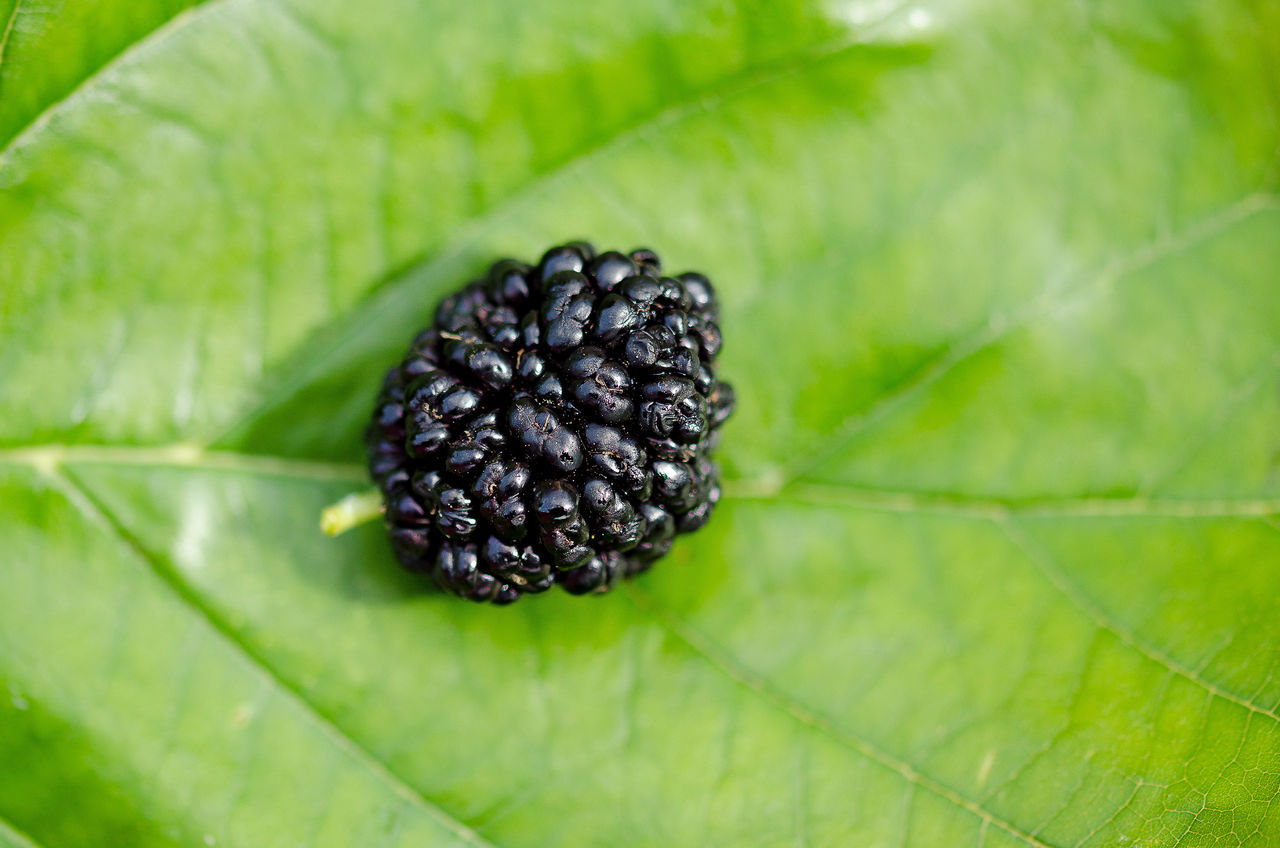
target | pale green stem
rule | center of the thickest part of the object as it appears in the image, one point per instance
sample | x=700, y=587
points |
x=352, y=511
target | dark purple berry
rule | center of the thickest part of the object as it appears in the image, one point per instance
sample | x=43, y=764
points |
x=554, y=425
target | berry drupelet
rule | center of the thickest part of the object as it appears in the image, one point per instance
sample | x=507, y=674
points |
x=554, y=425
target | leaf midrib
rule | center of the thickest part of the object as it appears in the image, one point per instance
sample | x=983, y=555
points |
x=181, y=455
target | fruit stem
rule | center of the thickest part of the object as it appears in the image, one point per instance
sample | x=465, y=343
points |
x=352, y=511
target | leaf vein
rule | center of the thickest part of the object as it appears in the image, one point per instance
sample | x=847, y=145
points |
x=182, y=455
x=19, y=839
x=41, y=118
x=85, y=500
x=8, y=31
x=720, y=660
x=1049, y=568
x=991, y=332
x=839, y=495
x=52, y=455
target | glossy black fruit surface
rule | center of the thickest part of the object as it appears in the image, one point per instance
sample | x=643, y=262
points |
x=555, y=425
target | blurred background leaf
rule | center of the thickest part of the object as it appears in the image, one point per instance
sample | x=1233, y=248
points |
x=997, y=564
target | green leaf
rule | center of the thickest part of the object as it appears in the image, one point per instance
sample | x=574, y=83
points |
x=997, y=560
x=49, y=49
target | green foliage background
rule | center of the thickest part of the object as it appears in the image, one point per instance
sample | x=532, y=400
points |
x=999, y=561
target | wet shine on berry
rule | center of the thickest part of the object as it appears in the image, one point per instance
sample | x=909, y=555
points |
x=554, y=425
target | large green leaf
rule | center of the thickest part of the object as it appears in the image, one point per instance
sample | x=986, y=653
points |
x=998, y=561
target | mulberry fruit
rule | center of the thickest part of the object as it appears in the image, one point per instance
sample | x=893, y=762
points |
x=554, y=425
